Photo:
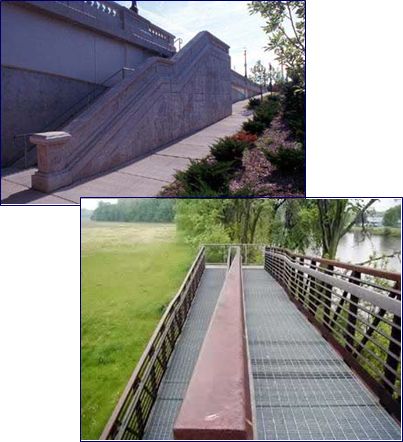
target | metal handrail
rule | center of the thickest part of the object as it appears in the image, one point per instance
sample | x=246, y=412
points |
x=374, y=298
x=393, y=276
x=130, y=415
x=87, y=99
x=358, y=312
x=246, y=251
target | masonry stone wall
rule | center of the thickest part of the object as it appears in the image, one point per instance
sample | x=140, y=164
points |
x=53, y=53
x=163, y=101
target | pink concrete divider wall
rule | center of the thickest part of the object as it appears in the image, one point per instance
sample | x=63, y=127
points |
x=217, y=404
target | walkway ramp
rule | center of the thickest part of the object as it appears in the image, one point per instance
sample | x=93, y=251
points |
x=303, y=388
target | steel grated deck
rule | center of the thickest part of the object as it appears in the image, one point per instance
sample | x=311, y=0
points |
x=303, y=389
x=184, y=357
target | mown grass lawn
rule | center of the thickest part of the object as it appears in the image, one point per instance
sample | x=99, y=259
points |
x=129, y=274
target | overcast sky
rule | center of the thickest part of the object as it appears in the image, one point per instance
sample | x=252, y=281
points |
x=384, y=203
x=230, y=21
x=381, y=205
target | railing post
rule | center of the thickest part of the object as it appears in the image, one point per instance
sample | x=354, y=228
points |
x=327, y=291
x=154, y=385
x=394, y=350
x=300, y=281
x=140, y=421
x=283, y=277
x=312, y=290
x=352, y=314
x=293, y=280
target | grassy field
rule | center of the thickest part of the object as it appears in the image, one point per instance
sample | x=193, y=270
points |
x=129, y=274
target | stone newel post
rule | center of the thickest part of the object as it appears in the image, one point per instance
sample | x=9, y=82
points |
x=52, y=158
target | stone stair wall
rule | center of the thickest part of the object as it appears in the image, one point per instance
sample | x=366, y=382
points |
x=163, y=101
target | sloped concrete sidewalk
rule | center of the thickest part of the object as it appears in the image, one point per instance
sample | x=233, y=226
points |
x=144, y=177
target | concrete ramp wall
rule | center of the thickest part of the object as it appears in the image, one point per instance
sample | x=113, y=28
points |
x=242, y=88
x=164, y=100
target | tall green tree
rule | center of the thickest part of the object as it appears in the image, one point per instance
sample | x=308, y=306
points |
x=239, y=220
x=319, y=222
x=285, y=27
x=392, y=217
x=336, y=218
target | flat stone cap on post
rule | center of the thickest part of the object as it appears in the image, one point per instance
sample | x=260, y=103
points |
x=52, y=154
x=49, y=138
x=217, y=403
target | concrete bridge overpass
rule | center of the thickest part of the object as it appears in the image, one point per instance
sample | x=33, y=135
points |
x=318, y=351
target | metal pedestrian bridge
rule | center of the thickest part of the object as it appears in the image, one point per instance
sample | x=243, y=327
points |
x=321, y=357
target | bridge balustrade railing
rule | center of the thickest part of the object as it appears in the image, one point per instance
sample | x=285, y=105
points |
x=357, y=308
x=115, y=16
x=130, y=416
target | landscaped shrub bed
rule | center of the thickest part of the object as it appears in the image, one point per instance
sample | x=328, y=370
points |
x=267, y=157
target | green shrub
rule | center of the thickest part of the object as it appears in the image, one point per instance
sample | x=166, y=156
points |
x=288, y=160
x=253, y=126
x=253, y=102
x=204, y=177
x=267, y=111
x=294, y=110
x=229, y=150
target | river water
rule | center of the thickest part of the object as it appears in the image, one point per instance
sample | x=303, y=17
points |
x=354, y=248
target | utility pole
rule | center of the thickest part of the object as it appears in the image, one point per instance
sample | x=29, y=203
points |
x=246, y=66
x=246, y=74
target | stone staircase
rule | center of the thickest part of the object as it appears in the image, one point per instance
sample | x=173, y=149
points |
x=163, y=101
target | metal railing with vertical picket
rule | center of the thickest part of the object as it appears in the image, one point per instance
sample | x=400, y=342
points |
x=357, y=309
x=130, y=416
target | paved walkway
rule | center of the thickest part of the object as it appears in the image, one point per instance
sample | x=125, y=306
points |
x=144, y=177
x=302, y=387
